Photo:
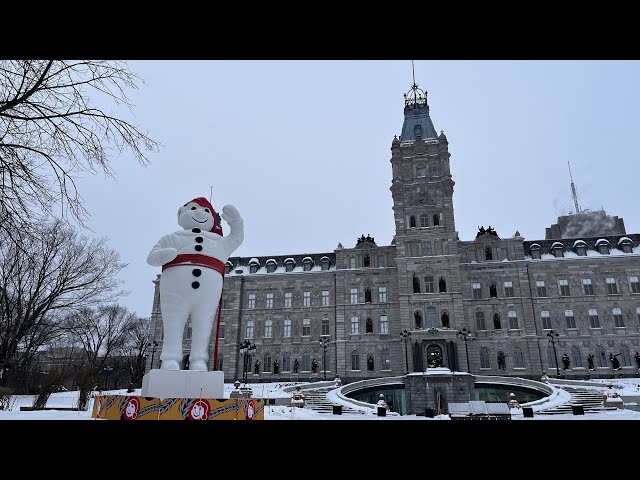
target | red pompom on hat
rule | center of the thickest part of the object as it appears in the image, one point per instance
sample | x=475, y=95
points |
x=203, y=202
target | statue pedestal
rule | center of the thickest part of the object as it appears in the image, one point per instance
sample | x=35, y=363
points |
x=183, y=384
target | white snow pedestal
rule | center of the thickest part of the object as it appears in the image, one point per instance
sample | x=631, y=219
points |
x=183, y=384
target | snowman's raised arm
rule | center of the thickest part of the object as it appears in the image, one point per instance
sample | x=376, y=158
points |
x=163, y=252
x=232, y=241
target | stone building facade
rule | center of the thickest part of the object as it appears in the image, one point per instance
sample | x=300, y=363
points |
x=519, y=304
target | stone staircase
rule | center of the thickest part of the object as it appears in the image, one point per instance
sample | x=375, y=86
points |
x=316, y=400
x=591, y=402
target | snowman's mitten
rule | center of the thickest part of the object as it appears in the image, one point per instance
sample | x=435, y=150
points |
x=230, y=214
x=164, y=255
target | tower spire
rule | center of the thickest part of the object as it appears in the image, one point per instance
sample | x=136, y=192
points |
x=574, y=193
x=415, y=96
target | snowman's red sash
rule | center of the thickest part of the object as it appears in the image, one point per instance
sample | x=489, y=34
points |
x=199, y=260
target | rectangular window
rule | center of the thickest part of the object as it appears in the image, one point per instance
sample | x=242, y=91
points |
x=384, y=325
x=269, y=300
x=541, y=288
x=429, y=284
x=471, y=256
x=252, y=301
x=306, y=327
x=268, y=329
x=546, y=320
x=354, y=295
x=249, y=331
x=222, y=324
x=382, y=294
x=425, y=248
x=634, y=285
x=569, y=319
x=587, y=285
x=618, y=321
x=513, y=320
x=355, y=325
x=325, y=326
x=381, y=261
x=352, y=262
x=564, y=287
x=477, y=291
x=480, y=325
x=306, y=299
x=502, y=253
x=288, y=296
x=325, y=297
x=594, y=321
x=612, y=287
x=508, y=289
x=287, y=328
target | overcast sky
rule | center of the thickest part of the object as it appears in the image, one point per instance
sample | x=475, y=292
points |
x=302, y=149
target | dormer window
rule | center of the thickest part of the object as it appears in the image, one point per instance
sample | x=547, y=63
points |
x=254, y=265
x=228, y=267
x=421, y=170
x=580, y=247
x=307, y=263
x=625, y=245
x=558, y=249
x=289, y=264
x=603, y=246
x=534, y=250
x=325, y=263
x=417, y=130
x=271, y=265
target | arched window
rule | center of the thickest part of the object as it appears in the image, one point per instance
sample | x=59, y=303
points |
x=424, y=220
x=518, y=358
x=370, y=363
x=576, y=357
x=625, y=245
x=268, y=328
x=366, y=260
x=271, y=265
x=416, y=285
x=367, y=295
x=307, y=264
x=355, y=360
x=442, y=285
x=254, y=265
x=557, y=249
x=496, y=321
x=421, y=170
x=289, y=264
x=488, y=253
x=266, y=365
x=325, y=263
x=480, y=325
x=306, y=362
x=228, y=267
x=417, y=130
x=286, y=362
x=625, y=358
x=385, y=362
x=603, y=246
x=484, y=358
x=493, y=291
x=534, y=250
x=432, y=319
x=601, y=357
x=412, y=222
x=417, y=317
x=436, y=219
x=445, y=320
x=368, y=326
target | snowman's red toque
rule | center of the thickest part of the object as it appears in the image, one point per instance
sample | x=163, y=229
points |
x=203, y=202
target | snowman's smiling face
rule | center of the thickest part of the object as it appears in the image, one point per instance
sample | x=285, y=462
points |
x=193, y=215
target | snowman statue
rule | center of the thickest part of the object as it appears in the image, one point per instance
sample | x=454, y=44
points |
x=192, y=262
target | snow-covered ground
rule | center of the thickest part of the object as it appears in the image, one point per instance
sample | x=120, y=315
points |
x=624, y=387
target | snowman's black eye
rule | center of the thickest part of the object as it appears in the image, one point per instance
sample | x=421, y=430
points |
x=193, y=208
x=206, y=210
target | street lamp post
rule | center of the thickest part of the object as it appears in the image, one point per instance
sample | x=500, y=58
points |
x=154, y=346
x=324, y=342
x=466, y=336
x=247, y=350
x=406, y=338
x=552, y=334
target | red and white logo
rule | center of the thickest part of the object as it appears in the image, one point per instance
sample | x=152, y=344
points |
x=199, y=410
x=251, y=410
x=131, y=409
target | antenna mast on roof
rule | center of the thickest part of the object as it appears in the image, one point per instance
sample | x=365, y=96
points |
x=574, y=193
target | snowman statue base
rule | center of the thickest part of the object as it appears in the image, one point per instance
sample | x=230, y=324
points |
x=183, y=384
